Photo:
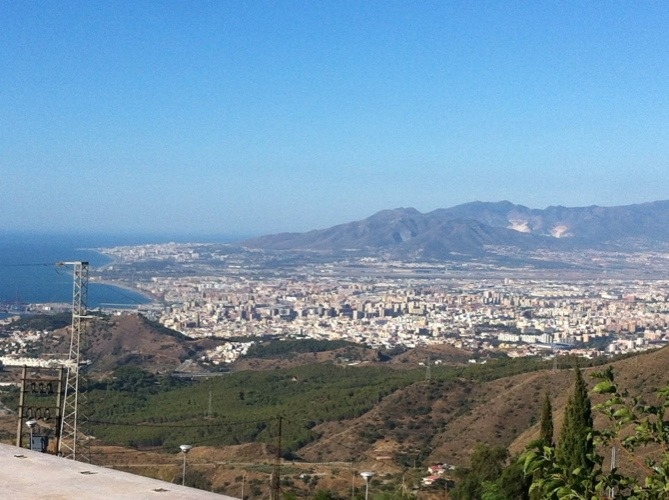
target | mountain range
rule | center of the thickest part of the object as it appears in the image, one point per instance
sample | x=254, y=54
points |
x=474, y=229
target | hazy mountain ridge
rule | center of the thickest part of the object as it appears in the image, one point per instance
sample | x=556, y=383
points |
x=472, y=228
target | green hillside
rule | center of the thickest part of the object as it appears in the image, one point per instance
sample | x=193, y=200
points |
x=138, y=409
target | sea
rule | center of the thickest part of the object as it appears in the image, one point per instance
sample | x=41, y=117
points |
x=29, y=274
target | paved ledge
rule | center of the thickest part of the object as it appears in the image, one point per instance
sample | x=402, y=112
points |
x=26, y=474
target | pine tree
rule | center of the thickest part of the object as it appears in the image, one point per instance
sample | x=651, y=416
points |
x=554, y=477
x=575, y=449
x=546, y=435
x=487, y=464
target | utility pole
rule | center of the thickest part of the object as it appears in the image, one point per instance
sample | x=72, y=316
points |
x=276, y=479
x=612, y=490
x=19, y=429
x=67, y=445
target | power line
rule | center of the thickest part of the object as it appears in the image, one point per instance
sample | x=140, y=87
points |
x=181, y=426
x=114, y=288
x=40, y=264
x=161, y=447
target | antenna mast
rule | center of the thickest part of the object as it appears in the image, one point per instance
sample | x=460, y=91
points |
x=67, y=445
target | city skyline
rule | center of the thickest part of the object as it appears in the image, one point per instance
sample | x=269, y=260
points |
x=263, y=117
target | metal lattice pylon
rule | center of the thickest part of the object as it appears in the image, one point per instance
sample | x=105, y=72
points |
x=67, y=444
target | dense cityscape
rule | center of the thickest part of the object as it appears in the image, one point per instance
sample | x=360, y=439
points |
x=201, y=291
x=388, y=304
x=319, y=250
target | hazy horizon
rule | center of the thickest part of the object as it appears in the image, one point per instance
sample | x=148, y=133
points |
x=118, y=237
x=231, y=118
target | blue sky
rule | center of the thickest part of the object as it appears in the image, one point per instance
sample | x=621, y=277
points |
x=248, y=117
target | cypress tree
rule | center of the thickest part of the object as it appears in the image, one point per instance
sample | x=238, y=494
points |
x=576, y=443
x=546, y=435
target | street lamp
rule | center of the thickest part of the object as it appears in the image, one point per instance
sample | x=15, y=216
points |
x=31, y=424
x=367, y=476
x=185, y=448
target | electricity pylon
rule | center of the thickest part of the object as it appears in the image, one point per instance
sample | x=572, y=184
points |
x=67, y=444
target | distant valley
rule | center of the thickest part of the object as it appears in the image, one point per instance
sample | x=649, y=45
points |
x=387, y=344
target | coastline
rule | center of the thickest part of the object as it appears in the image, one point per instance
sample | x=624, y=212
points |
x=29, y=275
x=123, y=285
x=131, y=303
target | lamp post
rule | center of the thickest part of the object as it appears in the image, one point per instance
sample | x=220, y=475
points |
x=31, y=424
x=185, y=448
x=367, y=476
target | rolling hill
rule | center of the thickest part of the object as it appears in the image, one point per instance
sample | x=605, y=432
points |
x=442, y=418
x=382, y=416
x=128, y=339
